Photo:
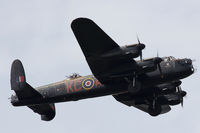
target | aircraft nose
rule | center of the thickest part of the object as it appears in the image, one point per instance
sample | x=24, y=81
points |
x=187, y=64
x=188, y=61
x=185, y=61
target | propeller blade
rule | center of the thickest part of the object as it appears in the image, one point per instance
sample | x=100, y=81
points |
x=181, y=94
x=193, y=60
x=160, y=70
x=181, y=100
x=138, y=39
x=141, y=56
x=179, y=89
x=158, y=60
x=138, y=45
x=141, y=46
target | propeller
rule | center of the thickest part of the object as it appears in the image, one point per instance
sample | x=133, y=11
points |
x=158, y=60
x=141, y=47
x=181, y=94
x=138, y=39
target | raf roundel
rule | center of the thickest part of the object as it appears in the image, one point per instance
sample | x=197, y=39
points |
x=87, y=84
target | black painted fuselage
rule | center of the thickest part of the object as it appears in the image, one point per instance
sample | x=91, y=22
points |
x=77, y=88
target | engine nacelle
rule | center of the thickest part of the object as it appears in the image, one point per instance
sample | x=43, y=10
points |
x=146, y=66
x=128, y=51
x=168, y=87
x=133, y=50
x=173, y=99
x=149, y=65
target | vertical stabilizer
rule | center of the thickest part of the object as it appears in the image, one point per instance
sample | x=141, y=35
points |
x=18, y=82
x=18, y=78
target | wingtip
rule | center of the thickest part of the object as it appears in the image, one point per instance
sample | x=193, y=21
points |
x=16, y=60
x=80, y=20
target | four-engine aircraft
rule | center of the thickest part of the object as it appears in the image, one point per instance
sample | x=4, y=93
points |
x=151, y=85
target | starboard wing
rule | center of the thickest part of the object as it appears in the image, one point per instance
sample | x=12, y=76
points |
x=94, y=42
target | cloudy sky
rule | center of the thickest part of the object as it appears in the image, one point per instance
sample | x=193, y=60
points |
x=38, y=33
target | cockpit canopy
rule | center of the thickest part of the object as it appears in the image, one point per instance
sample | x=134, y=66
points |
x=169, y=58
x=74, y=76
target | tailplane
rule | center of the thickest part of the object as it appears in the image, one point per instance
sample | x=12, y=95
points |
x=18, y=82
x=25, y=93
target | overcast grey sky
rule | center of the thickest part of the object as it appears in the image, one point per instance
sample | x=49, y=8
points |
x=38, y=32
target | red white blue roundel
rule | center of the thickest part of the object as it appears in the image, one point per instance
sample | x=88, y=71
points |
x=88, y=83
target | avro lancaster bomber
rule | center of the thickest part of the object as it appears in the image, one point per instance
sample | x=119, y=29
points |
x=151, y=85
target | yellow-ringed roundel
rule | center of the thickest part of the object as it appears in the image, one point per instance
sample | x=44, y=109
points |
x=88, y=83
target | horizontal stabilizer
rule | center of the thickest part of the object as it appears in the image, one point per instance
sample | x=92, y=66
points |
x=25, y=92
x=47, y=111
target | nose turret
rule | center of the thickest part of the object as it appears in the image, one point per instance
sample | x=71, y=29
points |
x=185, y=61
x=184, y=67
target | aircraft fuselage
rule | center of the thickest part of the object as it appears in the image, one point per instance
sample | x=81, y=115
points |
x=73, y=89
